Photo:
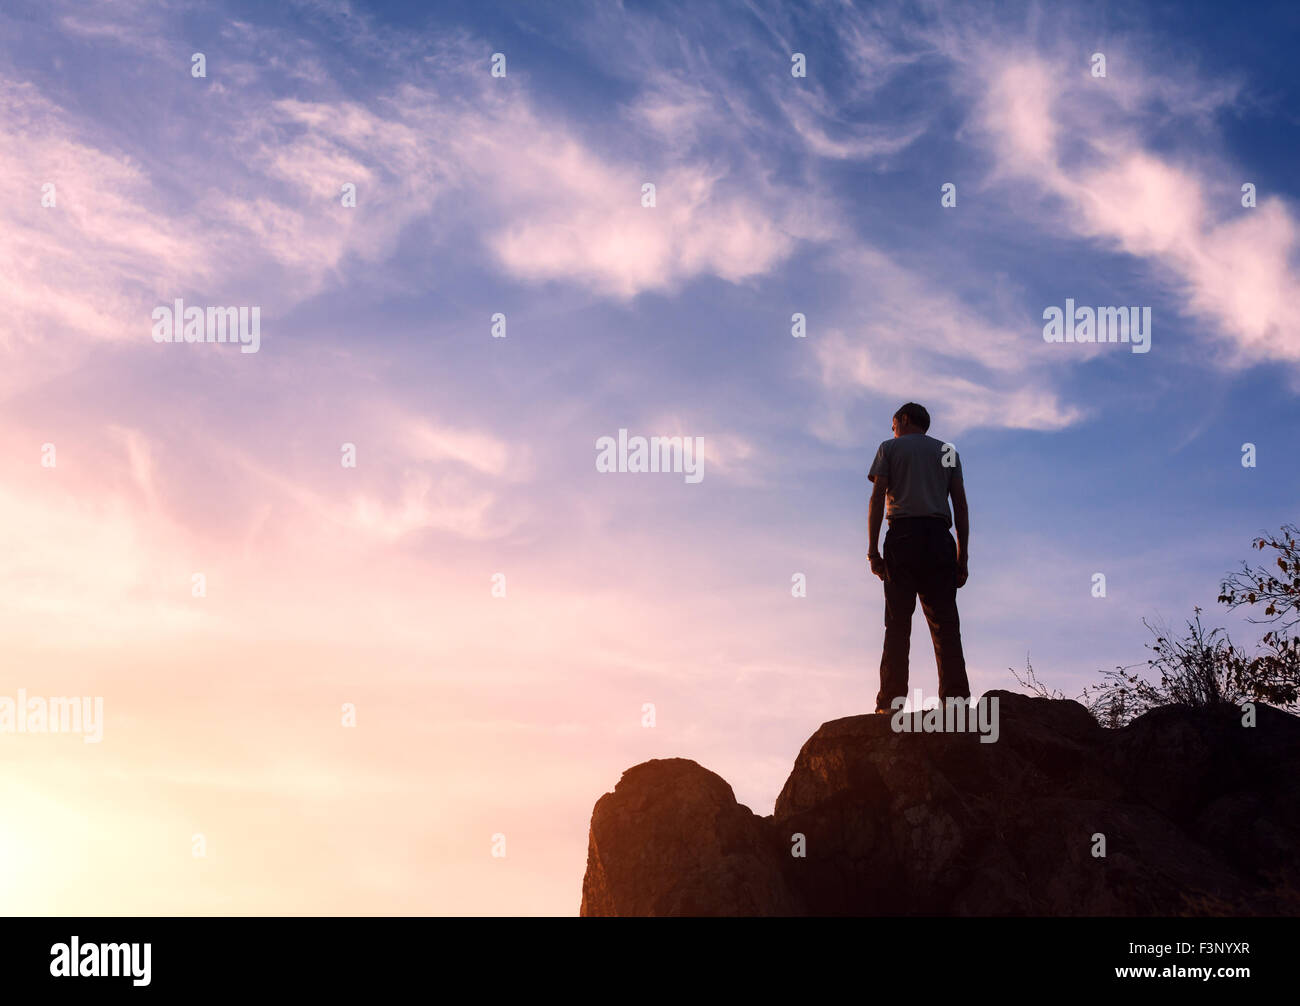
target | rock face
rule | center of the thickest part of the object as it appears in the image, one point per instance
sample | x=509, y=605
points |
x=671, y=840
x=1198, y=814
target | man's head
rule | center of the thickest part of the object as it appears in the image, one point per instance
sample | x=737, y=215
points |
x=911, y=418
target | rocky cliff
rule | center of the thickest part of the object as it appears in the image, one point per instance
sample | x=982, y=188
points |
x=1183, y=811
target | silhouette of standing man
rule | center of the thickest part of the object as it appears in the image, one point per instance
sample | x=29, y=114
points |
x=915, y=474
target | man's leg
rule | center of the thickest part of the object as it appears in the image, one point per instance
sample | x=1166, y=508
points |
x=900, y=604
x=938, y=594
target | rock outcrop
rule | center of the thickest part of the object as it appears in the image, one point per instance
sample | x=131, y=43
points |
x=670, y=818
x=1195, y=813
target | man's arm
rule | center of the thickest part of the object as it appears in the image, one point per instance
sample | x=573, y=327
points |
x=875, y=516
x=961, y=518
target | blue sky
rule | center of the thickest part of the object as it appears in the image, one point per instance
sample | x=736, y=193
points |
x=521, y=195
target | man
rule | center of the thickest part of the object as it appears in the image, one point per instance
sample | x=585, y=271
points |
x=912, y=477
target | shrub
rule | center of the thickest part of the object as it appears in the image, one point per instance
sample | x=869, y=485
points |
x=1203, y=668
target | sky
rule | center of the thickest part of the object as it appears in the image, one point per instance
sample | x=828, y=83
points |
x=399, y=686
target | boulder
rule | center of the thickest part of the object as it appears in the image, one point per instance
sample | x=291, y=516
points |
x=672, y=840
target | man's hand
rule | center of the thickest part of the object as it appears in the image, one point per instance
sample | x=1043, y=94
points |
x=961, y=520
x=878, y=565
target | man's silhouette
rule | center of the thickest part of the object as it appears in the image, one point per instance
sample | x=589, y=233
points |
x=915, y=474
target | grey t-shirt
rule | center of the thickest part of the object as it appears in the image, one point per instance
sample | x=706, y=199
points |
x=916, y=477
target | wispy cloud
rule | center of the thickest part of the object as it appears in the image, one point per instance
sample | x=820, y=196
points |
x=1082, y=146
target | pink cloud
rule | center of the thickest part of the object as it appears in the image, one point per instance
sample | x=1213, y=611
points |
x=1185, y=217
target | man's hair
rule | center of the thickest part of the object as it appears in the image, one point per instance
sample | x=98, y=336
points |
x=916, y=415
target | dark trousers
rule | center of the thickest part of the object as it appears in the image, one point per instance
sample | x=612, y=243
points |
x=921, y=559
